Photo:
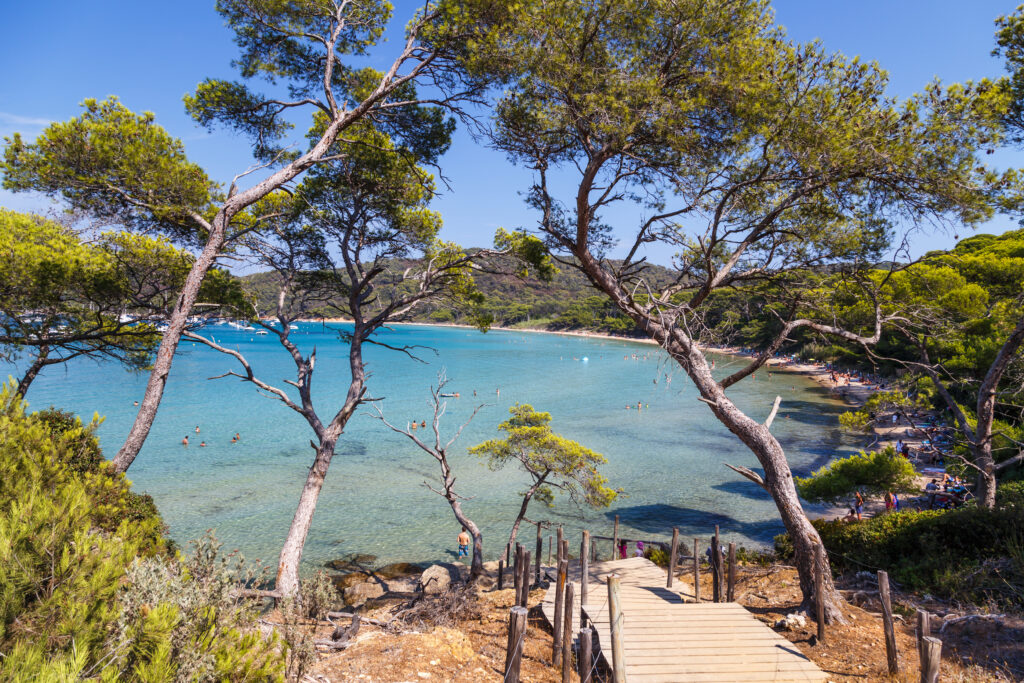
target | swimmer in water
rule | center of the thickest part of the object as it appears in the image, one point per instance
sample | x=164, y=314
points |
x=202, y=444
x=197, y=429
x=184, y=442
x=423, y=424
x=136, y=403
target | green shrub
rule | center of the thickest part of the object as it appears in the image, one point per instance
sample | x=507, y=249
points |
x=875, y=472
x=963, y=554
x=88, y=587
x=657, y=555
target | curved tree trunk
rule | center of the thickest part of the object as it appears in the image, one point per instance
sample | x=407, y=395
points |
x=168, y=346
x=287, y=582
x=33, y=371
x=527, y=497
x=476, y=567
x=778, y=478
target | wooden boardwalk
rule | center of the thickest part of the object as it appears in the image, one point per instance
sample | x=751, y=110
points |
x=667, y=638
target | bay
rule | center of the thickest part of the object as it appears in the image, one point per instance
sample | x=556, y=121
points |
x=667, y=457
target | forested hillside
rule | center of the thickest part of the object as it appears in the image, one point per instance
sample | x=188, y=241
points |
x=567, y=302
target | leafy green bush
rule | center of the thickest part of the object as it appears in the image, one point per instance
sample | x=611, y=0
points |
x=88, y=587
x=875, y=472
x=963, y=554
x=657, y=555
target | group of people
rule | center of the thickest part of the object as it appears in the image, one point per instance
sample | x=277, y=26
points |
x=202, y=444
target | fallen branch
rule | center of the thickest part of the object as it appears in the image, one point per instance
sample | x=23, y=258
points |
x=970, y=617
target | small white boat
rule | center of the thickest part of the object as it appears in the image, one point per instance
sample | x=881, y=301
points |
x=293, y=327
x=260, y=333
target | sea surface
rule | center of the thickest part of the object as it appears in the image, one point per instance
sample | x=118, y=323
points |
x=667, y=457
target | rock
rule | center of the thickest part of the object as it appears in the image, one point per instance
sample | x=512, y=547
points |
x=357, y=562
x=437, y=578
x=397, y=569
x=791, y=622
x=357, y=595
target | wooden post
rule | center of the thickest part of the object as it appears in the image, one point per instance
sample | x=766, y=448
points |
x=517, y=570
x=673, y=552
x=615, y=617
x=524, y=583
x=540, y=551
x=730, y=595
x=558, y=543
x=716, y=586
x=593, y=551
x=584, y=570
x=556, y=641
x=501, y=574
x=696, y=571
x=514, y=650
x=819, y=591
x=567, y=632
x=615, y=539
x=586, y=658
x=924, y=630
x=890, y=633
x=549, y=550
x=932, y=660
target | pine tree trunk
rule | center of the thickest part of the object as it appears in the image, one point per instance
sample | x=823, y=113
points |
x=168, y=347
x=32, y=372
x=291, y=553
x=476, y=567
x=778, y=478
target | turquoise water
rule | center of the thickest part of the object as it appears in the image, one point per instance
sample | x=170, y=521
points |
x=667, y=458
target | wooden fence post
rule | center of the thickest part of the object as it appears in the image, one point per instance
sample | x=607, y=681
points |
x=584, y=570
x=696, y=571
x=673, y=553
x=540, y=551
x=615, y=618
x=586, y=658
x=924, y=629
x=524, y=583
x=615, y=540
x=730, y=595
x=549, y=549
x=567, y=632
x=517, y=570
x=716, y=585
x=501, y=574
x=514, y=651
x=558, y=543
x=932, y=660
x=890, y=633
x=556, y=644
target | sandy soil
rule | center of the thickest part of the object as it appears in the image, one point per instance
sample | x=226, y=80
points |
x=473, y=648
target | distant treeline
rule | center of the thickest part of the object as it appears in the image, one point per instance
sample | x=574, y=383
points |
x=567, y=302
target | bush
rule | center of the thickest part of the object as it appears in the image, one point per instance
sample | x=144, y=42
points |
x=965, y=554
x=876, y=472
x=89, y=587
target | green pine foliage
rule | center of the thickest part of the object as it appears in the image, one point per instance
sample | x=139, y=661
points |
x=90, y=587
x=873, y=473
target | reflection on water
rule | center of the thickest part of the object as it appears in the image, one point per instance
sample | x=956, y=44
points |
x=667, y=457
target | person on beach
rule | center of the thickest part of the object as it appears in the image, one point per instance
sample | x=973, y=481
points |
x=463, y=543
x=895, y=419
x=622, y=550
x=639, y=549
x=889, y=505
x=859, y=505
x=850, y=516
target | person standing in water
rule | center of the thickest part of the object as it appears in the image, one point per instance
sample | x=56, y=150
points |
x=184, y=442
x=464, y=543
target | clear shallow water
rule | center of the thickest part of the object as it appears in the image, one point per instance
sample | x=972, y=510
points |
x=667, y=458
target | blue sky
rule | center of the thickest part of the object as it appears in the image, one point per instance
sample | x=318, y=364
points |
x=151, y=54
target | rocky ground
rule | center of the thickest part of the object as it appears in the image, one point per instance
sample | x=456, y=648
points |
x=458, y=634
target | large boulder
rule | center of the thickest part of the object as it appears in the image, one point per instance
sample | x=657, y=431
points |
x=440, y=577
x=358, y=594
